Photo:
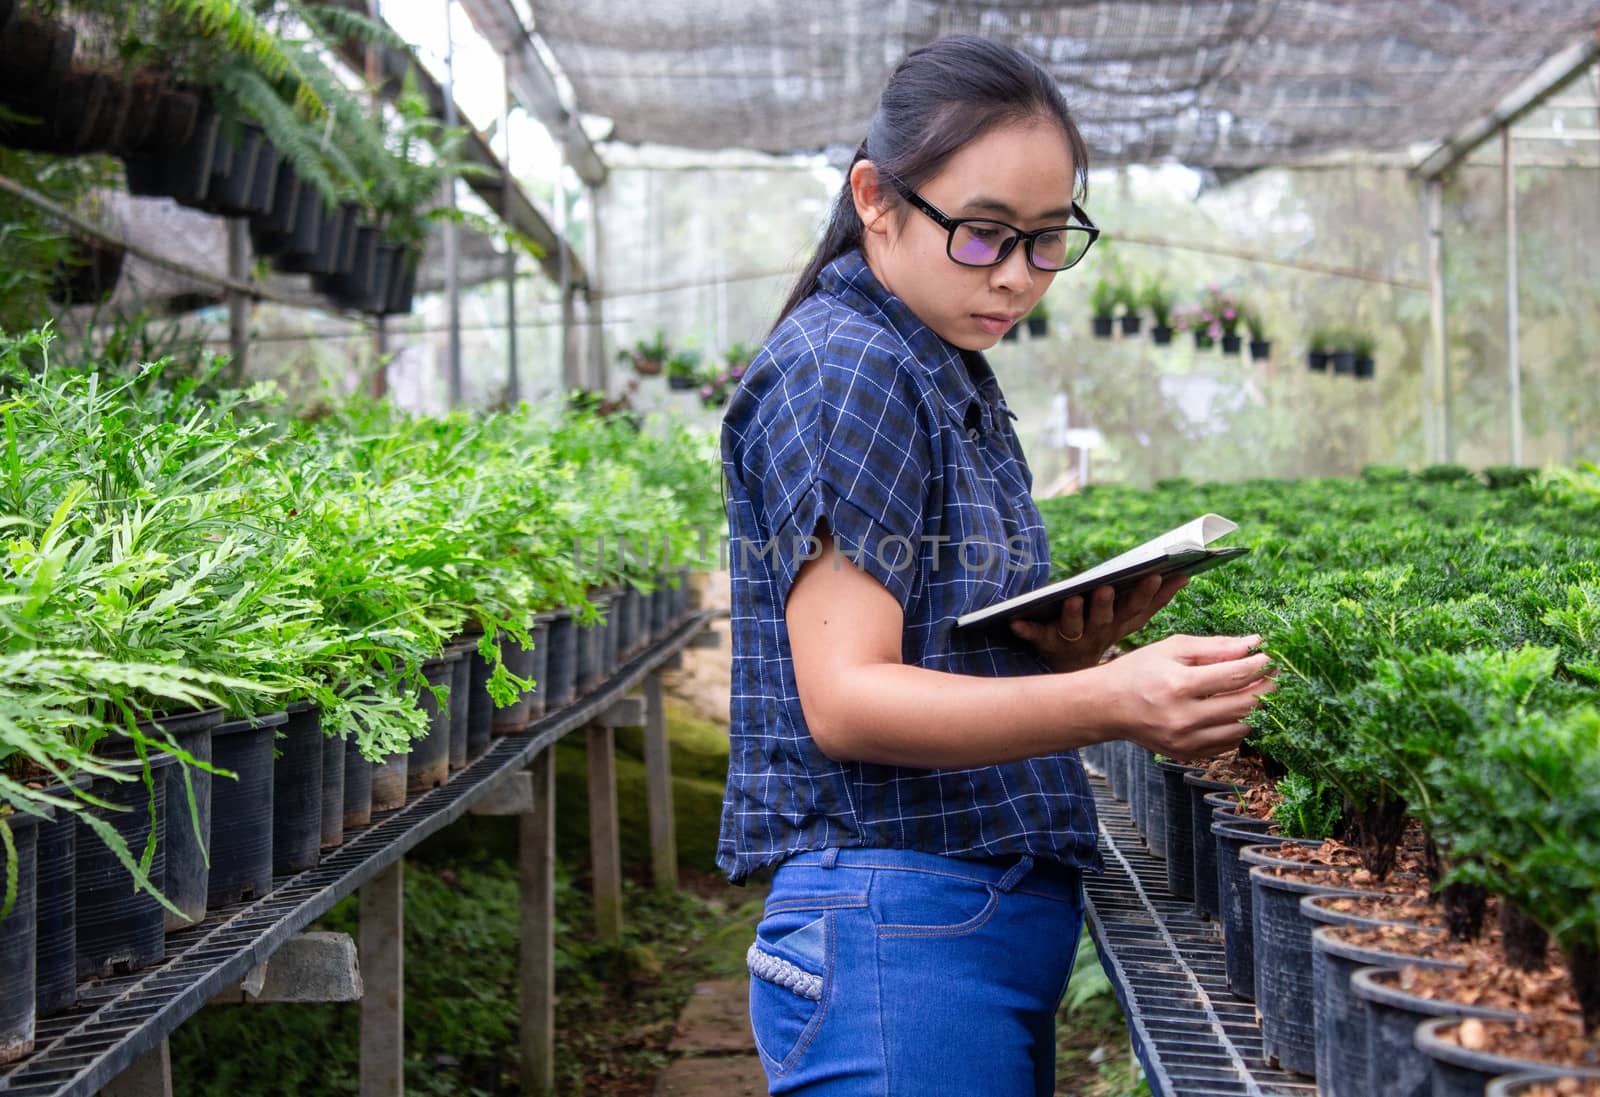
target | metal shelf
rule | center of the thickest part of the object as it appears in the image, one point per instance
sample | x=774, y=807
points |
x=119, y=1019
x=1193, y=1036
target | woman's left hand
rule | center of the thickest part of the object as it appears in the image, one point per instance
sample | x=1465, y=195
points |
x=1081, y=636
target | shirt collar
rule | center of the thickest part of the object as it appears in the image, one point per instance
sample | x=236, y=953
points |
x=961, y=384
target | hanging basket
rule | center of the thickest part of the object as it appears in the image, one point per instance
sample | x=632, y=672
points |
x=1103, y=326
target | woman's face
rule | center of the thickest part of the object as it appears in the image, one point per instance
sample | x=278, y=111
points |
x=1021, y=174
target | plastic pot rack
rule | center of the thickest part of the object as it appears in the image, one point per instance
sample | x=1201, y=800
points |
x=1167, y=967
x=117, y=1020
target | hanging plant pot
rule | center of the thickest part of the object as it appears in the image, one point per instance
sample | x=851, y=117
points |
x=17, y=939
x=118, y=928
x=1260, y=350
x=1317, y=361
x=35, y=55
x=176, y=159
x=387, y=267
x=681, y=382
x=263, y=196
x=1102, y=326
x=143, y=111
x=297, y=791
x=1038, y=326
x=106, y=132
x=1203, y=341
x=272, y=233
x=1161, y=334
x=403, y=287
x=241, y=810
x=1365, y=368
x=357, y=786
x=1232, y=344
x=233, y=172
x=90, y=276
x=1131, y=322
x=1344, y=361
x=352, y=289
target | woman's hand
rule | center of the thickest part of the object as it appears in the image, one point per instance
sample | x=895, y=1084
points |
x=1187, y=696
x=1080, y=637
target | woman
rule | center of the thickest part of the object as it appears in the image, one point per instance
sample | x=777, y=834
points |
x=918, y=788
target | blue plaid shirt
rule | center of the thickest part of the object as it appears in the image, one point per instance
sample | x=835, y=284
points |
x=855, y=411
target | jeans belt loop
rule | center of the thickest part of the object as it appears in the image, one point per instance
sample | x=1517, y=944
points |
x=830, y=857
x=1014, y=875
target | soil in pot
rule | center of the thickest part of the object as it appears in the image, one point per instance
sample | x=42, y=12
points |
x=297, y=792
x=1468, y=1053
x=241, y=810
x=332, y=812
x=17, y=938
x=120, y=929
x=1544, y=1083
x=429, y=764
x=1285, y=991
x=357, y=786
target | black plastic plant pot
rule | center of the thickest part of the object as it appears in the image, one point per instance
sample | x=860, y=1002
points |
x=480, y=706
x=188, y=828
x=297, y=792
x=143, y=111
x=643, y=604
x=323, y=256
x=1154, y=804
x=561, y=667
x=263, y=195
x=1344, y=361
x=1038, y=326
x=590, y=645
x=1202, y=844
x=344, y=262
x=1458, y=1072
x=403, y=287
x=1232, y=344
x=37, y=55
x=518, y=661
x=386, y=268
x=120, y=929
x=460, y=692
x=1343, y=1055
x=429, y=763
x=303, y=248
x=1285, y=991
x=389, y=782
x=241, y=810
x=1135, y=785
x=332, y=811
x=1317, y=361
x=1234, y=899
x=685, y=594
x=272, y=232
x=611, y=653
x=1396, y=1066
x=1365, y=368
x=1319, y=910
x=623, y=621
x=1177, y=829
x=661, y=608
x=1260, y=350
x=90, y=275
x=680, y=382
x=17, y=939
x=186, y=170
x=1131, y=323
x=1010, y=335
x=1519, y=1085
x=233, y=166
x=56, y=943
x=540, y=668
x=1161, y=335
x=358, y=786
x=1116, y=772
x=1103, y=325
x=352, y=288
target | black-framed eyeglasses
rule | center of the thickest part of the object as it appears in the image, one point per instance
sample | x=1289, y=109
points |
x=983, y=242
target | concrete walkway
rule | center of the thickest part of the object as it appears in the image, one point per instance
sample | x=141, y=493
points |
x=712, y=1051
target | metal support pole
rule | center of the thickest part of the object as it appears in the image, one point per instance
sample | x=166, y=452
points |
x=1438, y=341
x=571, y=375
x=382, y=954
x=238, y=303
x=658, y=787
x=452, y=248
x=1508, y=184
x=605, y=847
x=537, y=851
x=513, y=383
x=380, y=339
x=599, y=363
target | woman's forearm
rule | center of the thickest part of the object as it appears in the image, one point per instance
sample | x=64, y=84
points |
x=898, y=715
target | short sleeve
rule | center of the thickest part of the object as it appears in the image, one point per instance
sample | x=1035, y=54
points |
x=842, y=440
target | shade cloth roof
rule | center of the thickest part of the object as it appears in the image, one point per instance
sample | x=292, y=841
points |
x=1214, y=83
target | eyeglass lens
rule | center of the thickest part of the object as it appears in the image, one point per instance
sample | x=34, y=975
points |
x=984, y=243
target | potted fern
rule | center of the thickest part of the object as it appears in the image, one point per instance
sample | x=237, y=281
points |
x=1160, y=301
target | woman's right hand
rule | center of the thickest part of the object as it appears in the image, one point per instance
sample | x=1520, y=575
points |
x=1186, y=696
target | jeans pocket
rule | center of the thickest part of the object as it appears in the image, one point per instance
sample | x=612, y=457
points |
x=790, y=962
x=930, y=904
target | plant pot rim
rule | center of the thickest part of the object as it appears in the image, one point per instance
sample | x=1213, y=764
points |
x=1507, y=1085
x=1365, y=984
x=1323, y=938
x=184, y=722
x=1198, y=779
x=1427, y=1040
x=1311, y=908
x=1260, y=858
x=252, y=723
x=1177, y=767
x=298, y=707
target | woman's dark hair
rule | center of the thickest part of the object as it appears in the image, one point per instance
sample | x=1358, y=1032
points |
x=940, y=97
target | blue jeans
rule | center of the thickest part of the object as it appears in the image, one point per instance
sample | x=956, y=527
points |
x=896, y=973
